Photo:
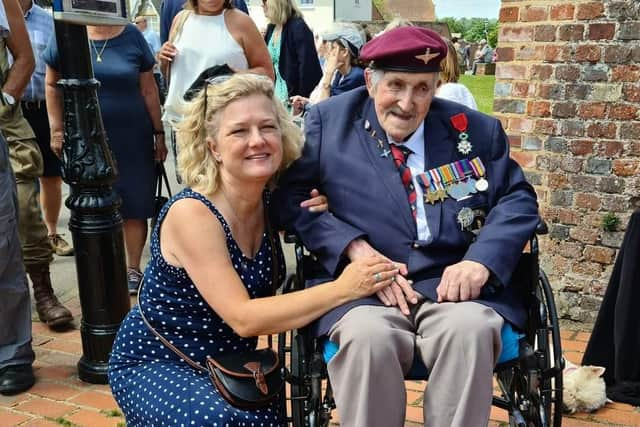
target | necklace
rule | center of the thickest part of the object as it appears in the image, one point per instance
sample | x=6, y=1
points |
x=99, y=54
x=233, y=210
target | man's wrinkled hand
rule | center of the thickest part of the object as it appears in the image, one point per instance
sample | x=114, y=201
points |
x=462, y=281
x=400, y=292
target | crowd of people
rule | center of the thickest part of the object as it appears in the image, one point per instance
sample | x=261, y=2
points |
x=394, y=170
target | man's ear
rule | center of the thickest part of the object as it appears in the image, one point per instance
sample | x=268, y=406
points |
x=438, y=83
x=368, y=80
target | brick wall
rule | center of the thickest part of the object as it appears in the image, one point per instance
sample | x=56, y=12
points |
x=568, y=94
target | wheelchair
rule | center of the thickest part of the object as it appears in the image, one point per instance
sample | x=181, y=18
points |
x=529, y=385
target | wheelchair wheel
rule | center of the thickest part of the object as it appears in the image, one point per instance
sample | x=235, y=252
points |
x=550, y=349
x=532, y=386
x=299, y=388
x=305, y=379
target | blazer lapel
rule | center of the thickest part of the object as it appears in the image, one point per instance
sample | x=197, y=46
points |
x=439, y=150
x=384, y=165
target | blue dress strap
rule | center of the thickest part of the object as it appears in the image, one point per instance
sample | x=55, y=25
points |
x=188, y=193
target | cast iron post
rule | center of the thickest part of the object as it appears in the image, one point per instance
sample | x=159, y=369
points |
x=95, y=223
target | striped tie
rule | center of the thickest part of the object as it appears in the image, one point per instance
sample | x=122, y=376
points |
x=400, y=154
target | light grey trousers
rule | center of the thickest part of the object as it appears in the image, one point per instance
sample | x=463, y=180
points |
x=458, y=342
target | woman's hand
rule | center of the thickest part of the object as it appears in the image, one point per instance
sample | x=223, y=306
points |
x=298, y=102
x=332, y=62
x=57, y=138
x=317, y=203
x=367, y=276
x=160, y=148
x=167, y=52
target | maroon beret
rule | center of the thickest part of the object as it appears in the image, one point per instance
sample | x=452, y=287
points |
x=408, y=49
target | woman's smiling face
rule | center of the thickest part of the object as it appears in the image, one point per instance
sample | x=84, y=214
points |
x=248, y=144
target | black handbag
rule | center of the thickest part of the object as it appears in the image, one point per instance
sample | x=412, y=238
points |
x=160, y=200
x=247, y=380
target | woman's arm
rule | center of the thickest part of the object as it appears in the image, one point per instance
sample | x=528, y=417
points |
x=149, y=91
x=245, y=31
x=209, y=265
x=168, y=50
x=53, y=97
x=330, y=67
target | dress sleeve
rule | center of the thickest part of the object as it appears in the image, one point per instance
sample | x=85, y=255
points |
x=147, y=61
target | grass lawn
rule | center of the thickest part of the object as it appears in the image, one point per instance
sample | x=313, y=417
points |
x=482, y=89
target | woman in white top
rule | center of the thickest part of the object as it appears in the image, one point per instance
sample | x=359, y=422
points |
x=448, y=86
x=209, y=33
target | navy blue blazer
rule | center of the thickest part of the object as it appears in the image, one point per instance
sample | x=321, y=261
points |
x=299, y=64
x=368, y=200
x=354, y=79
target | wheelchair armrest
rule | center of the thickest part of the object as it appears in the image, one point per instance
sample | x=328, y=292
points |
x=291, y=237
x=542, y=227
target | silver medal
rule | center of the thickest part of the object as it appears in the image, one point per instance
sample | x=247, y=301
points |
x=465, y=218
x=458, y=190
x=482, y=184
x=464, y=147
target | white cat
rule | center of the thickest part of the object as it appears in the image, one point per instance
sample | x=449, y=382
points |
x=583, y=388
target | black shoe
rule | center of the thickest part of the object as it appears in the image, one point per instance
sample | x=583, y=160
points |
x=15, y=379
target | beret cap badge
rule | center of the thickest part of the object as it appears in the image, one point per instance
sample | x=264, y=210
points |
x=427, y=56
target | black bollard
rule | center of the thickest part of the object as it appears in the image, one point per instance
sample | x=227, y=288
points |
x=95, y=223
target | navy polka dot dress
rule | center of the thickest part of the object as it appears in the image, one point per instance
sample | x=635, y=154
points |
x=152, y=385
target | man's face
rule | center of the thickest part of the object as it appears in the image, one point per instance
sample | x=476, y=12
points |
x=401, y=100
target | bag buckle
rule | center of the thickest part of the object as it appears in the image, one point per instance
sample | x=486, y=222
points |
x=258, y=376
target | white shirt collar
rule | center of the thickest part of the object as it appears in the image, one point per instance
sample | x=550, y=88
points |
x=415, y=141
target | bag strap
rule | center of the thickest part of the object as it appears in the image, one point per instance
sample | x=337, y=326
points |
x=275, y=265
x=163, y=340
x=174, y=33
x=161, y=175
x=181, y=18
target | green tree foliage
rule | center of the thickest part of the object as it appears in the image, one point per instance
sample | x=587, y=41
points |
x=474, y=29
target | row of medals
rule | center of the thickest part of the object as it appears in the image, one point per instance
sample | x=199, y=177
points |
x=459, y=190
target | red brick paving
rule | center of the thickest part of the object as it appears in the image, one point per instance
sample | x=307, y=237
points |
x=60, y=398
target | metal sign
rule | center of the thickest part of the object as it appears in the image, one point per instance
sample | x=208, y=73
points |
x=91, y=12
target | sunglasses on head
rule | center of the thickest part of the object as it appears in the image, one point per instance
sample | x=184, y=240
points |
x=217, y=80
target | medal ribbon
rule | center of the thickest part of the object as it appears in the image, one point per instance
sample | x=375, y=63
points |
x=478, y=167
x=460, y=122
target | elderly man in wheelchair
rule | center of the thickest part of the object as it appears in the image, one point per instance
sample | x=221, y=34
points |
x=429, y=184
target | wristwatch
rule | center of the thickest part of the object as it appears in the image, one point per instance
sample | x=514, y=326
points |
x=8, y=99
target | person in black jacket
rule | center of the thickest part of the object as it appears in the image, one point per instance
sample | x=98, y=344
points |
x=292, y=49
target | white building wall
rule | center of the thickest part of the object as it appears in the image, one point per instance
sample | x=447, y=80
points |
x=317, y=13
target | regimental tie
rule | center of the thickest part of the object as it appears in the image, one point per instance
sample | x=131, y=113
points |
x=400, y=154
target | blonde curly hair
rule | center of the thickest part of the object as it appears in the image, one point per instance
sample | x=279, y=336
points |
x=196, y=164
